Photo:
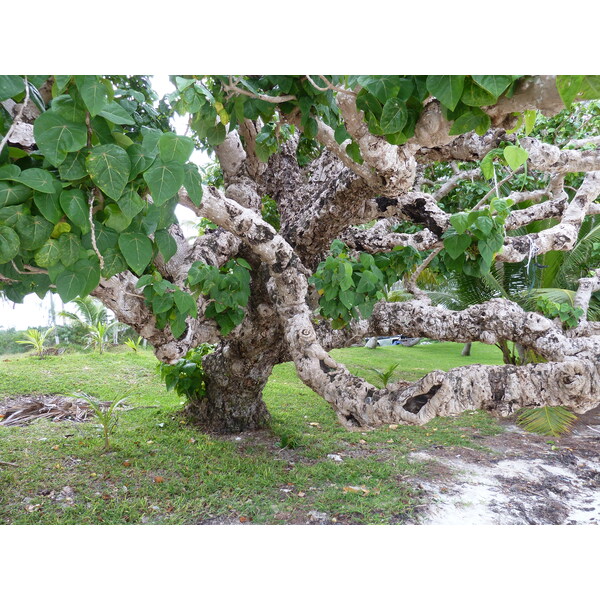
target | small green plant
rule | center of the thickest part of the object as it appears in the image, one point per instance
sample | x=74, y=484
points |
x=105, y=413
x=547, y=420
x=567, y=314
x=134, y=345
x=97, y=335
x=384, y=376
x=186, y=376
x=36, y=339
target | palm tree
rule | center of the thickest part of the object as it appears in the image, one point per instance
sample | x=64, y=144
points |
x=94, y=316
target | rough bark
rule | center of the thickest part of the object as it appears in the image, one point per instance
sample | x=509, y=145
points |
x=331, y=198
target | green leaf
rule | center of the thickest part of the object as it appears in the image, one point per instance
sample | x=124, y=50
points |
x=185, y=303
x=193, y=183
x=341, y=134
x=115, y=219
x=494, y=84
x=455, y=245
x=115, y=113
x=11, y=85
x=130, y=202
x=590, y=87
x=137, y=250
x=69, y=285
x=56, y=137
x=568, y=87
x=475, y=95
x=109, y=166
x=383, y=87
x=394, y=116
x=33, y=231
x=13, y=193
x=460, y=222
x=74, y=205
x=140, y=159
x=48, y=255
x=69, y=246
x=530, y=119
x=446, y=88
x=9, y=173
x=178, y=326
x=353, y=151
x=164, y=180
x=475, y=119
x=38, y=179
x=93, y=93
x=113, y=263
x=68, y=108
x=48, y=204
x=216, y=135
x=60, y=228
x=515, y=156
x=9, y=244
x=177, y=148
x=73, y=167
x=547, y=420
x=167, y=246
x=311, y=128
x=484, y=224
x=60, y=82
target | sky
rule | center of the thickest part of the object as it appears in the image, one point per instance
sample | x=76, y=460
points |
x=34, y=312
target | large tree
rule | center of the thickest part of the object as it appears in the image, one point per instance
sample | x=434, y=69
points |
x=323, y=199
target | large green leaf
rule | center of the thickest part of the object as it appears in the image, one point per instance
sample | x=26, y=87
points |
x=177, y=148
x=383, y=87
x=446, y=88
x=115, y=219
x=167, y=246
x=13, y=193
x=193, y=183
x=48, y=255
x=9, y=244
x=130, y=202
x=9, y=173
x=70, y=108
x=113, y=263
x=93, y=93
x=115, y=113
x=164, y=180
x=38, y=179
x=140, y=158
x=70, y=284
x=89, y=269
x=475, y=119
x=568, y=87
x=394, y=116
x=515, y=156
x=475, y=95
x=75, y=206
x=11, y=85
x=33, y=231
x=109, y=166
x=56, y=137
x=69, y=246
x=137, y=250
x=48, y=204
x=494, y=84
x=455, y=245
x=73, y=167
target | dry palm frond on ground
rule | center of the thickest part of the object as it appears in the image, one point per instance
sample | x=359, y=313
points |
x=22, y=410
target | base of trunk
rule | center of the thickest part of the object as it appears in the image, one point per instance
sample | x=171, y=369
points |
x=233, y=400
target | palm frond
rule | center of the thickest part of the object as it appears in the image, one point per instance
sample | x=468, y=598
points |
x=547, y=420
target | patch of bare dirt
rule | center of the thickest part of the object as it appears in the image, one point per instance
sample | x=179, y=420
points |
x=525, y=479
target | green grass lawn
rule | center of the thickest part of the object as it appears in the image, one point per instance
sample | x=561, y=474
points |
x=161, y=470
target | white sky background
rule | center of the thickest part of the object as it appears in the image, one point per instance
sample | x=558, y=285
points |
x=34, y=312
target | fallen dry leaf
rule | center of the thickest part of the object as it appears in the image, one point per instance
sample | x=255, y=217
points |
x=301, y=494
x=393, y=426
x=192, y=440
x=33, y=507
x=55, y=447
x=126, y=463
x=243, y=519
x=353, y=489
x=362, y=441
x=317, y=425
x=159, y=479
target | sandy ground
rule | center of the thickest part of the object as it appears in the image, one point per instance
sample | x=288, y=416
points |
x=524, y=479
